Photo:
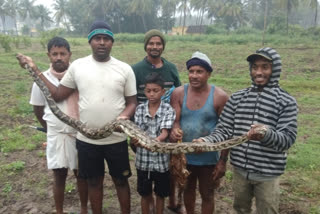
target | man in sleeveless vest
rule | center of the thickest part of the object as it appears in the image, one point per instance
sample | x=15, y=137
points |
x=259, y=162
x=198, y=106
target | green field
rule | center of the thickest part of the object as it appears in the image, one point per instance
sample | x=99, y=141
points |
x=21, y=155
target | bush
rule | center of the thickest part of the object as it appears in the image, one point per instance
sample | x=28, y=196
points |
x=25, y=30
x=313, y=31
x=126, y=37
x=247, y=30
x=217, y=29
x=47, y=35
x=296, y=30
x=26, y=41
x=16, y=41
x=5, y=42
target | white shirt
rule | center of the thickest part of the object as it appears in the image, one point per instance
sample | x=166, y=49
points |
x=61, y=150
x=102, y=88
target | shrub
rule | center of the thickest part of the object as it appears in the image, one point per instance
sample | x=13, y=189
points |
x=47, y=35
x=26, y=41
x=16, y=41
x=217, y=29
x=5, y=42
x=247, y=30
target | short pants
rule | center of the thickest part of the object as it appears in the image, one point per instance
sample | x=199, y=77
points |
x=91, y=159
x=161, y=183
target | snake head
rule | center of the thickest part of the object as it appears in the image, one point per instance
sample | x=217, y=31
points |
x=26, y=61
x=257, y=132
x=261, y=129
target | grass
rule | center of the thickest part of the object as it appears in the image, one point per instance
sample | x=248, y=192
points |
x=300, y=77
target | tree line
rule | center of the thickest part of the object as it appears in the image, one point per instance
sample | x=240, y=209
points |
x=138, y=16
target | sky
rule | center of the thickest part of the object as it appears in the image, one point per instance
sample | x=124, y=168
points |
x=46, y=3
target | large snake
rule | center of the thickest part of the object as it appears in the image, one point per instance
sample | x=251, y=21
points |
x=132, y=130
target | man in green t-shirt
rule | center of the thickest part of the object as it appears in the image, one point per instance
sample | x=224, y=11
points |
x=154, y=44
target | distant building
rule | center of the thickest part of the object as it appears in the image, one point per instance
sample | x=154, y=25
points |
x=189, y=30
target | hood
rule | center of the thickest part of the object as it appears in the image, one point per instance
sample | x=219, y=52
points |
x=276, y=65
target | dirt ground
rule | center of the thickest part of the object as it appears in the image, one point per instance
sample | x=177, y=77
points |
x=31, y=191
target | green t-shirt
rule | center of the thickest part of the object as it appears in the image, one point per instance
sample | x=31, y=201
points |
x=168, y=72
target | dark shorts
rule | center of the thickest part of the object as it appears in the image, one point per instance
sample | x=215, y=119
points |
x=161, y=183
x=91, y=159
x=204, y=175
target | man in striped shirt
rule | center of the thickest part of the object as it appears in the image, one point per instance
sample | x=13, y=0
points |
x=259, y=162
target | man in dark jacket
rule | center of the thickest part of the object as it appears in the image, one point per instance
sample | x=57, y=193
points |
x=259, y=162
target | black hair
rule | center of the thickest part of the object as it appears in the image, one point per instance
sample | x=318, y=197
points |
x=155, y=78
x=58, y=42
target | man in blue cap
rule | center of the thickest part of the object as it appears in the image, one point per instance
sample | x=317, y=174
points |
x=107, y=91
x=198, y=106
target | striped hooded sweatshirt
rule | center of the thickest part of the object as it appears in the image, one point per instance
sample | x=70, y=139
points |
x=273, y=107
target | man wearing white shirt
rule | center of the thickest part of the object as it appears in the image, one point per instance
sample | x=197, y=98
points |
x=107, y=91
x=61, y=149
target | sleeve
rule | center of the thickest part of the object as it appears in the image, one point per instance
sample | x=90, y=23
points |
x=138, y=115
x=130, y=87
x=284, y=135
x=168, y=119
x=177, y=82
x=37, y=98
x=68, y=79
x=224, y=128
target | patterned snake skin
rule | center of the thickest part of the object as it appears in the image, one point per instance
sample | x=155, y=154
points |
x=133, y=130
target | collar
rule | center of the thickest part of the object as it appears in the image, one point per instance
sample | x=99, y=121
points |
x=147, y=114
x=151, y=65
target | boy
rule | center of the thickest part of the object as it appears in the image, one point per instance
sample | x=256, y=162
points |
x=156, y=118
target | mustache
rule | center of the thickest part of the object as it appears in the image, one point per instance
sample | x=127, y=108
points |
x=58, y=61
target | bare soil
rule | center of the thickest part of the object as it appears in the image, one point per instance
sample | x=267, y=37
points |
x=32, y=190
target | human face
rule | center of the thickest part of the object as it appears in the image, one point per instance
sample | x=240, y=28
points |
x=153, y=92
x=154, y=47
x=261, y=71
x=101, y=46
x=198, y=76
x=59, y=58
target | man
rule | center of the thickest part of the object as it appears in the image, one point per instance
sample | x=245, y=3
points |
x=259, y=162
x=198, y=106
x=156, y=118
x=61, y=150
x=154, y=44
x=107, y=91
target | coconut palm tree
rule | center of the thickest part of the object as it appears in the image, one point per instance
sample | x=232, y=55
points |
x=26, y=9
x=230, y=11
x=3, y=14
x=12, y=10
x=314, y=4
x=141, y=8
x=202, y=7
x=288, y=5
x=44, y=15
x=168, y=8
x=184, y=8
x=115, y=9
x=60, y=16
